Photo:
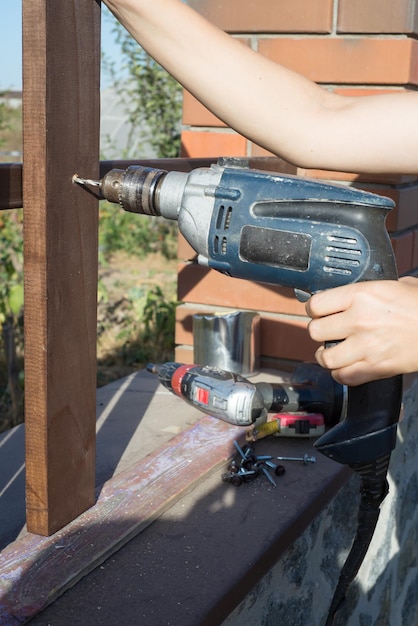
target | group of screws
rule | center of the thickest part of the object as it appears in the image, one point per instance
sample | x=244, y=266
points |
x=249, y=466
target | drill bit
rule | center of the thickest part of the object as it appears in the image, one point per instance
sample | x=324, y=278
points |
x=85, y=181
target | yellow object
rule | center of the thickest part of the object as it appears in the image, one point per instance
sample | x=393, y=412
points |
x=263, y=430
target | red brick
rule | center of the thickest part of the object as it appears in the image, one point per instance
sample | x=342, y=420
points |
x=405, y=214
x=266, y=16
x=184, y=354
x=259, y=151
x=355, y=60
x=204, y=286
x=206, y=144
x=377, y=16
x=195, y=114
x=185, y=251
x=403, y=248
x=285, y=338
x=383, y=179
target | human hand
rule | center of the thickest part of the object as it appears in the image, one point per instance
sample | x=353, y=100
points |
x=377, y=323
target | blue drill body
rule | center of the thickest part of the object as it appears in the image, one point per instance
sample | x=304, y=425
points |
x=287, y=231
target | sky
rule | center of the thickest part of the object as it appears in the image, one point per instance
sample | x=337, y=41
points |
x=11, y=44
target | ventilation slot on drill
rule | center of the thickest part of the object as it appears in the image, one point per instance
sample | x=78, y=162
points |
x=223, y=219
x=223, y=222
x=220, y=217
x=342, y=255
x=220, y=245
x=228, y=217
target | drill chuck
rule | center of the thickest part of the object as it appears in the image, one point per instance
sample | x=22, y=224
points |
x=135, y=189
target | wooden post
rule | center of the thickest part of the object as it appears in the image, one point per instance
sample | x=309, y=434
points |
x=61, y=75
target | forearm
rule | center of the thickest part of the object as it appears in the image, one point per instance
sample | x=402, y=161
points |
x=271, y=105
x=262, y=100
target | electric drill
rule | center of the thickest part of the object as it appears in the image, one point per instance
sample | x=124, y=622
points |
x=288, y=231
x=299, y=233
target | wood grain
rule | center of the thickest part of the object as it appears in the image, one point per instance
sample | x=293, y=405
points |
x=61, y=69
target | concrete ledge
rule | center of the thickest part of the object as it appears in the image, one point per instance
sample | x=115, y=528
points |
x=159, y=457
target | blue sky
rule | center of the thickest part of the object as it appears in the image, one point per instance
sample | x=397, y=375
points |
x=11, y=43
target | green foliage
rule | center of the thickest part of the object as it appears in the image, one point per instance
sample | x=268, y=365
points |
x=152, y=336
x=11, y=265
x=134, y=234
x=146, y=320
x=151, y=96
x=11, y=318
x=159, y=321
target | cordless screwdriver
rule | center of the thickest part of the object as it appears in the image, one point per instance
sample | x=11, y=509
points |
x=236, y=400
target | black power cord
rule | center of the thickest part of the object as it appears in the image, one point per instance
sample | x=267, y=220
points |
x=374, y=488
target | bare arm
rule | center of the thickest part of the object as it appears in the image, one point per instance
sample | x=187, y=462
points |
x=271, y=105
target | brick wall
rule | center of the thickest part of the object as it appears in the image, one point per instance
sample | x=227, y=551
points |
x=350, y=46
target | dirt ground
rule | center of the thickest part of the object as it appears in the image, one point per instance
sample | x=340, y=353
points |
x=124, y=282
x=121, y=272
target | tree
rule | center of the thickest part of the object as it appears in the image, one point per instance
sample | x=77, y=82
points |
x=152, y=98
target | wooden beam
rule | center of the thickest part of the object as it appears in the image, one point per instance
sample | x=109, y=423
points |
x=11, y=173
x=10, y=186
x=61, y=75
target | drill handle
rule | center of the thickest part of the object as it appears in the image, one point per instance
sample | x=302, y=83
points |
x=368, y=431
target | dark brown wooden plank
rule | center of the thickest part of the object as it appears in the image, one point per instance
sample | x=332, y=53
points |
x=10, y=186
x=61, y=70
x=35, y=570
x=11, y=173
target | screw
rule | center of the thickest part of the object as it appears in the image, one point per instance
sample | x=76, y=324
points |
x=244, y=455
x=269, y=464
x=306, y=459
x=239, y=449
x=269, y=478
